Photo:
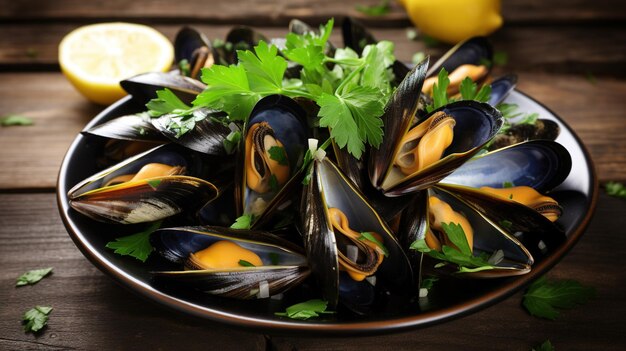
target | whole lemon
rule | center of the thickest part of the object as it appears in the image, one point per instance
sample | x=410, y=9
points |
x=453, y=21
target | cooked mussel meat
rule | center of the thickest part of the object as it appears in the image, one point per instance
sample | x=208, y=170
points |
x=241, y=264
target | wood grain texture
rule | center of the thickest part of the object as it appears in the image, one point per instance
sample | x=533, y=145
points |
x=278, y=12
x=92, y=312
x=529, y=49
x=33, y=154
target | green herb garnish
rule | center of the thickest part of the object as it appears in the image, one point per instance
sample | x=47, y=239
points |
x=507, y=184
x=427, y=283
x=245, y=263
x=418, y=57
x=36, y=318
x=370, y=237
x=274, y=258
x=135, y=245
x=279, y=155
x=184, y=67
x=351, y=95
x=430, y=41
x=243, y=222
x=32, y=277
x=154, y=183
x=506, y=224
x=273, y=183
x=380, y=9
x=231, y=141
x=543, y=298
x=545, y=346
x=15, y=120
x=468, y=91
x=500, y=58
x=461, y=255
x=615, y=189
x=306, y=310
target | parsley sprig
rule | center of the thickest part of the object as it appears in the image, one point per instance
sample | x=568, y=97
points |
x=306, y=310
x=351, y=95
x=36, y=318
x=460, y=255
x=33, y=276
x=135, y=245
x=468, y=89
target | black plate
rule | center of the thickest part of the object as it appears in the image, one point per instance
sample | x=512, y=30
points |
x=451, y=298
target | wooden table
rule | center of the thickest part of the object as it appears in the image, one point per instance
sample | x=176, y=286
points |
x=569, y=54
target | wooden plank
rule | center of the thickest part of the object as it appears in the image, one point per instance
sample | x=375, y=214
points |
x=33, y=154
x=92, y=312
x=279, y=12
x=565, y=49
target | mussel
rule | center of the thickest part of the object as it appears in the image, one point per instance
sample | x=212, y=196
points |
x=347, y=241
x=240, y=264
x=144, y=86
x=194, y=49
x=150, y=186
x=273, y=150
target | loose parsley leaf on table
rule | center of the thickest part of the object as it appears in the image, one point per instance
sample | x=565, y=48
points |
x=15, y=120
x=380, y=9
x=543, y=298
x=33, y=276
x=546, y=346
x=306, y=310
x=615, y=189
x=135, y=245
x=461, y=255
x=36, y=318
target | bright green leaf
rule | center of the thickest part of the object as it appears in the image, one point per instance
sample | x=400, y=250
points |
x=33, y=276
x=135, y=245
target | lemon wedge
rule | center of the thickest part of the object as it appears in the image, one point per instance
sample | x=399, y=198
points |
x=96, y=57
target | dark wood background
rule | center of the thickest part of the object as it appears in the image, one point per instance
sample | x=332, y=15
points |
x=569, y=54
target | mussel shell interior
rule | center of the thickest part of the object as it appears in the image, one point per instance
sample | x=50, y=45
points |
x=489, y=237
x=540, y=164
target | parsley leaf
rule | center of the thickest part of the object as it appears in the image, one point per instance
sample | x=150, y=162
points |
x=461, y=255
x=245, y=263
x=380, y=9
x=305, y=310
x=32, y=277
x=468, y=91
x=500, y=58
x=440, y=91
x=615, y=189
x=507, y=184
x=165, y=102
x=274, y=258
x=370, y=237
x=543, y=297
x=278, y=154
x=154, y=183
x=135, y=245
x=231, y=141
x=36, y=318
x=15, y=120
x=546, y=346
x=264, y=68
x=273, y=183
x=243, y=222
x=428, y=283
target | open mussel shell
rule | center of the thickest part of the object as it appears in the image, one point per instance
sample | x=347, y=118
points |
x=195, y=47
x=238, y=38
x=329, y=188
x=475, y=124
x=137, y=127
x=489, y=237
x=284, y=264
x=538, y=234
x=539, y=164
x=150, y=199
x=144, y=86
x=207, y=135
x=501, y=88
x=271, y=158
x=476, y=51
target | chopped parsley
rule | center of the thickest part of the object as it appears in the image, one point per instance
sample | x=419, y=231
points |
x=615, y=189
x=544, y=298
x=135, y=245
x=507, y=184
x=33, y=276
x=461, y=255
x=545, y=346
x=306, y=310
x=380, y=9
x=15, y=120
x=243, y=222
x=245, y=263
x=278, y=154
x=36, y=318
x=370, y=237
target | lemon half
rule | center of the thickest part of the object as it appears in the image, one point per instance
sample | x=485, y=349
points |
x=96, y=57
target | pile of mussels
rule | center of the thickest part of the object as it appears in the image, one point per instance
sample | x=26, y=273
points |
x=427, y=171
